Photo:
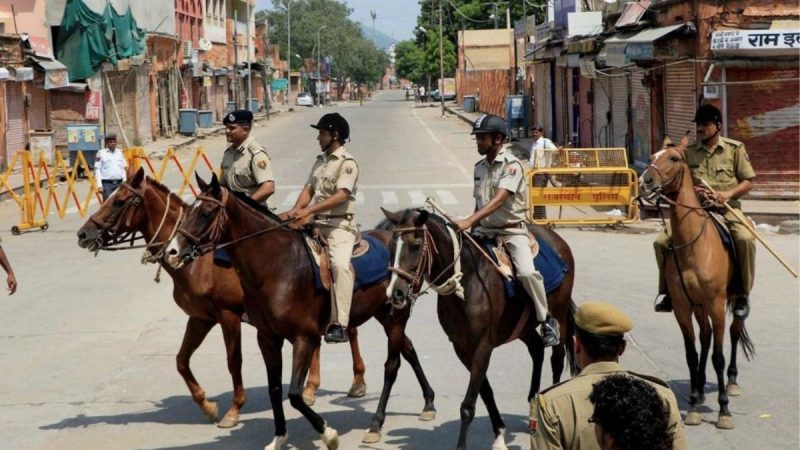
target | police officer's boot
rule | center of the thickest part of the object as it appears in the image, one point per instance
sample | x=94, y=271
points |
x=741, y=309
x=550, y=331
x=664, y=305
x=335, y=334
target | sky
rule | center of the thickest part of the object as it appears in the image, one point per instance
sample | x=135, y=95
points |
x=394, y=17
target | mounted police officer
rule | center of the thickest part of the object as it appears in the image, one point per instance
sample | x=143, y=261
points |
x=246, y=166
x=724, y=164
x=330, y=191
x=560, y=415
x=500, y=203
x=109, y=167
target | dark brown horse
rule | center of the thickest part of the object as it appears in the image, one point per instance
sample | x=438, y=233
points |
x=698, y=272
x=206, y=292
x=283, y=304
x=428, y=249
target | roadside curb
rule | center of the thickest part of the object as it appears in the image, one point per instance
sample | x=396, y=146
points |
x=460, y=115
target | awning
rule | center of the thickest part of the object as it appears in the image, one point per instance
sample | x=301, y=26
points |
x=632, y=14
x=588, y=45
x=624, y=48
x=55, y=73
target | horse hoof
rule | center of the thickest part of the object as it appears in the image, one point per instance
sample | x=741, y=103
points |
x=331, y=438
x=357, y=390
x=309, y=397
x=500, y=441
x=229, y=421
x=371, y=437
x=427, y=416
x=211, y=410
x=693, y=418
x=733, y=390
x=278, y=442
x=725, y=423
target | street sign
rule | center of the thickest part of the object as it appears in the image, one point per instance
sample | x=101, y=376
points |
x=279, y=84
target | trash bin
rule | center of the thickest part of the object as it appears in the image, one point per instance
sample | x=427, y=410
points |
x=229, y=107
x=469, y=103
x=86, y=139
x=254, y=107
x=187, y=121
x=205, y=118
x=517, y=116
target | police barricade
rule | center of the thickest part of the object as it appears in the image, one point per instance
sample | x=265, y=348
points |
x=584, y=186
x=47, y=188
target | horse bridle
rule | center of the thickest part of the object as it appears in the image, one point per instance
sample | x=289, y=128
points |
x=113, y=223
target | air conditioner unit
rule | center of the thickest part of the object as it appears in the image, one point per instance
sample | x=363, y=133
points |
x=711, y=91
x=187, y=49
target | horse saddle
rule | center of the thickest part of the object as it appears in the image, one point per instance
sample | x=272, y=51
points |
x=545, y=258
x=724, y=232
x=369, y=260
x=502, y=255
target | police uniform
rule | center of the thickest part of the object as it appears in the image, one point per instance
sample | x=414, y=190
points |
x=109, y=169
x=330, y=173
x=246, y=167
x=560, y=415
x=723, y=168
x=507, y=172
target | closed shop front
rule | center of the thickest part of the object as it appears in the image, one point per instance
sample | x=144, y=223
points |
x=39, y=110
x=543, y=92
x=561, y=125
x=123, y=84
x=167, y=102
x=602, y=111
x=680, y=100
x=619, y=109
x=15, y=114
x=641, y=125
x=585, y=116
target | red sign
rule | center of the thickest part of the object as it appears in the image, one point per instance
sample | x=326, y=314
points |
x=93, y=103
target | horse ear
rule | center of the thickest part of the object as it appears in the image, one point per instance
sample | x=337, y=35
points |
x=393, y=217
x=215, y=188
x=684, y=141
x=200, y=182
x=421, y=218
x=137, y=179
x=667, y=142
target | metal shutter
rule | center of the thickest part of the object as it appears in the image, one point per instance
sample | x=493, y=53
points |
x=123, y=85
x=15, y=107
x=680, y=100
x=542, y=96
x=619, y=110
x=602, y=106
x=38, y=112
x=562, y=118
x=641, y=142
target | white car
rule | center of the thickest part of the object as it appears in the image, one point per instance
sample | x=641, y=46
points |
x=304, y=99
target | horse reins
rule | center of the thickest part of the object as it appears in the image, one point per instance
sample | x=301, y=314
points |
x=425, y=266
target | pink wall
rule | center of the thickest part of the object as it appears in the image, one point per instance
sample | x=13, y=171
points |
x=30, y=17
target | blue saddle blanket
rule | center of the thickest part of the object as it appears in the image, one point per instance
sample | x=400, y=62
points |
x=548, y=262
x=724, y=232
x=370, y=268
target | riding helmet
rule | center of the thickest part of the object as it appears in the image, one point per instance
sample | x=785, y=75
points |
x=707, y=113
x=334, y=122
x=489, y=123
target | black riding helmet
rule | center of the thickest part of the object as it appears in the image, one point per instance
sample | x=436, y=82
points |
x=707, y=113
x=489, y=123
x=334, y=122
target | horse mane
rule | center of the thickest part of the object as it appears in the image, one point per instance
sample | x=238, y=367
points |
x=165, y=190
x=255, y=205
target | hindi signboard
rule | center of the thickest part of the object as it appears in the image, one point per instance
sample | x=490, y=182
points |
x=756, y=42
x=279, y=84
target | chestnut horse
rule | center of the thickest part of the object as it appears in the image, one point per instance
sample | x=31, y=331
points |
x=698, y=271
x=483, y=319
x=207, y=293
x=283, y=303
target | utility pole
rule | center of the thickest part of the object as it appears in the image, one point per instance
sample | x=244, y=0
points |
x=319, y=69
x=441, y=59
x=249, y=67
x=235, y=61
x=288, y=49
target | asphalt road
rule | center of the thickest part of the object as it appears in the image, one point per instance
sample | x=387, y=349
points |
x=88, y=344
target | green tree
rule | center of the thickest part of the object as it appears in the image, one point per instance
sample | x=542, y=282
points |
x=409, y=61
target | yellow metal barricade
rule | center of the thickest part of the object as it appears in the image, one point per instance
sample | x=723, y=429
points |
x=584, y=187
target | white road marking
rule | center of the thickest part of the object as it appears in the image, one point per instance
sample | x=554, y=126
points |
x=291, y=198
x=417, y=198
x=359, y=198
x=361, y=187
x=388, y=198
x=447, y=197
x=455, y=162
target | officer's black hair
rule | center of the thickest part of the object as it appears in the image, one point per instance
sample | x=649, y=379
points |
x=600, y=347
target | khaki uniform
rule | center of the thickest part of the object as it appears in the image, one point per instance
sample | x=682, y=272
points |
x=562, y=412
x=244, y=168
x=331, y=172
x=723, y=168
x=507, y=172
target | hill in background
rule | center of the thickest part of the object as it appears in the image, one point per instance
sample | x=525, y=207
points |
x=381, y=40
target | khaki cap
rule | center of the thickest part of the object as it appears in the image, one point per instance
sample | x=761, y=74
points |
x=602, y=318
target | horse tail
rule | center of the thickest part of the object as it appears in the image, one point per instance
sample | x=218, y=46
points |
x=748, y=348
x=573, y=366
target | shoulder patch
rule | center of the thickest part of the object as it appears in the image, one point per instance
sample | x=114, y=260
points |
x=262, y=164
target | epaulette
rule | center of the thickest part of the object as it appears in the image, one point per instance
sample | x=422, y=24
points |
x=650, y=378
x=733, y=142
x=479, y=161
x=544, y=391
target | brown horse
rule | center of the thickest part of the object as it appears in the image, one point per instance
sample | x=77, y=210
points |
x=698, y=272
x=206, y=292
x=427, y=249
x=282, y=302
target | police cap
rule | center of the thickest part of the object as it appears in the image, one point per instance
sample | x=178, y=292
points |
x=707, y=113
x=111, y=137
x=241, y=116
x=602, y=318
x=489, y=123
x=334, y=122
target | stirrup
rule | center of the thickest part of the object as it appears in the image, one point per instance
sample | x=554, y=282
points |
x=663, y=305
x=549, y=332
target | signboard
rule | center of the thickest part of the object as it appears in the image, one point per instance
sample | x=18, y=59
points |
x=584, y=23
x=449, y=86
x=279, y=84
x=93, y=102
x=756, y=42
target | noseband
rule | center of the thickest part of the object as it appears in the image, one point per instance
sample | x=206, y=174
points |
x=207, y=241
x=113, y=223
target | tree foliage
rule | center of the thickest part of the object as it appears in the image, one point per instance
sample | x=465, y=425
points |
x=473, y=15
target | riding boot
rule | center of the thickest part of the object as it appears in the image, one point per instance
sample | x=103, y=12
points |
x=742, y=308
x=335, y=334
x=550, y=332
x=665, y=304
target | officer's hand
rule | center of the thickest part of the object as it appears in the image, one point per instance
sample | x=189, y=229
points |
x=300, y=213
x=12, y=284
x=703, y=193
x=284, y=216
x=722, y=196
x=463, y=225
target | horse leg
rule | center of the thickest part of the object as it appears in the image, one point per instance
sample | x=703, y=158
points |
x=359, y=386
x=736, y=329
x=390, y=368
x=232, y=333
x=725, y=421
x=478, y=364
x=410, y=355
x=310, y=391
x=557, y=361
x=536, y=350
x=705, y=347
x=303, y=348
x=196, y=331
x=693, y=416
x=498, y=426
x=271, y=352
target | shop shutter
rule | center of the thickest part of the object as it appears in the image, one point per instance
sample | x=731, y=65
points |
x=15, y=114
x=123, y=85
x=38, y=112
x=602, y=106
x=680, y=100
x=619, y=110
x=562, y=118
x=542, y=97
x=641, y=142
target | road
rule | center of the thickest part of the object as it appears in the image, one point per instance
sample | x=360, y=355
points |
x=88, y=344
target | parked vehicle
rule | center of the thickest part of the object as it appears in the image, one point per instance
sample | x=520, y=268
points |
x=304, y=99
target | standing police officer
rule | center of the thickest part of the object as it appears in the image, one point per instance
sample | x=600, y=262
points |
x=330, y=190
x=246, y=166
x=109, y=167
x=560, y=416
x=500, y=204
x=723, y=163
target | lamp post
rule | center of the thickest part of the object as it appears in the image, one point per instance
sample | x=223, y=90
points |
x=441, y=60
x=319, y=71
x=288, y=49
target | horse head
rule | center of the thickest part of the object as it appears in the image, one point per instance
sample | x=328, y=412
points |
x=664, y=175
x=202, y=227
x=120, y=213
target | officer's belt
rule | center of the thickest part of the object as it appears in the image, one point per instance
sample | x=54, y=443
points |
x=509, y=225
x=333, y=216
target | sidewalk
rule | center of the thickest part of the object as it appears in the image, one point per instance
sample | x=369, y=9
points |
x=783, y=215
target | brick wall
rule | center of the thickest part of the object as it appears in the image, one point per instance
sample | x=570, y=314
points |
x=66, y=108
x=766, y=117
x=217, y=56
x=492, y=85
